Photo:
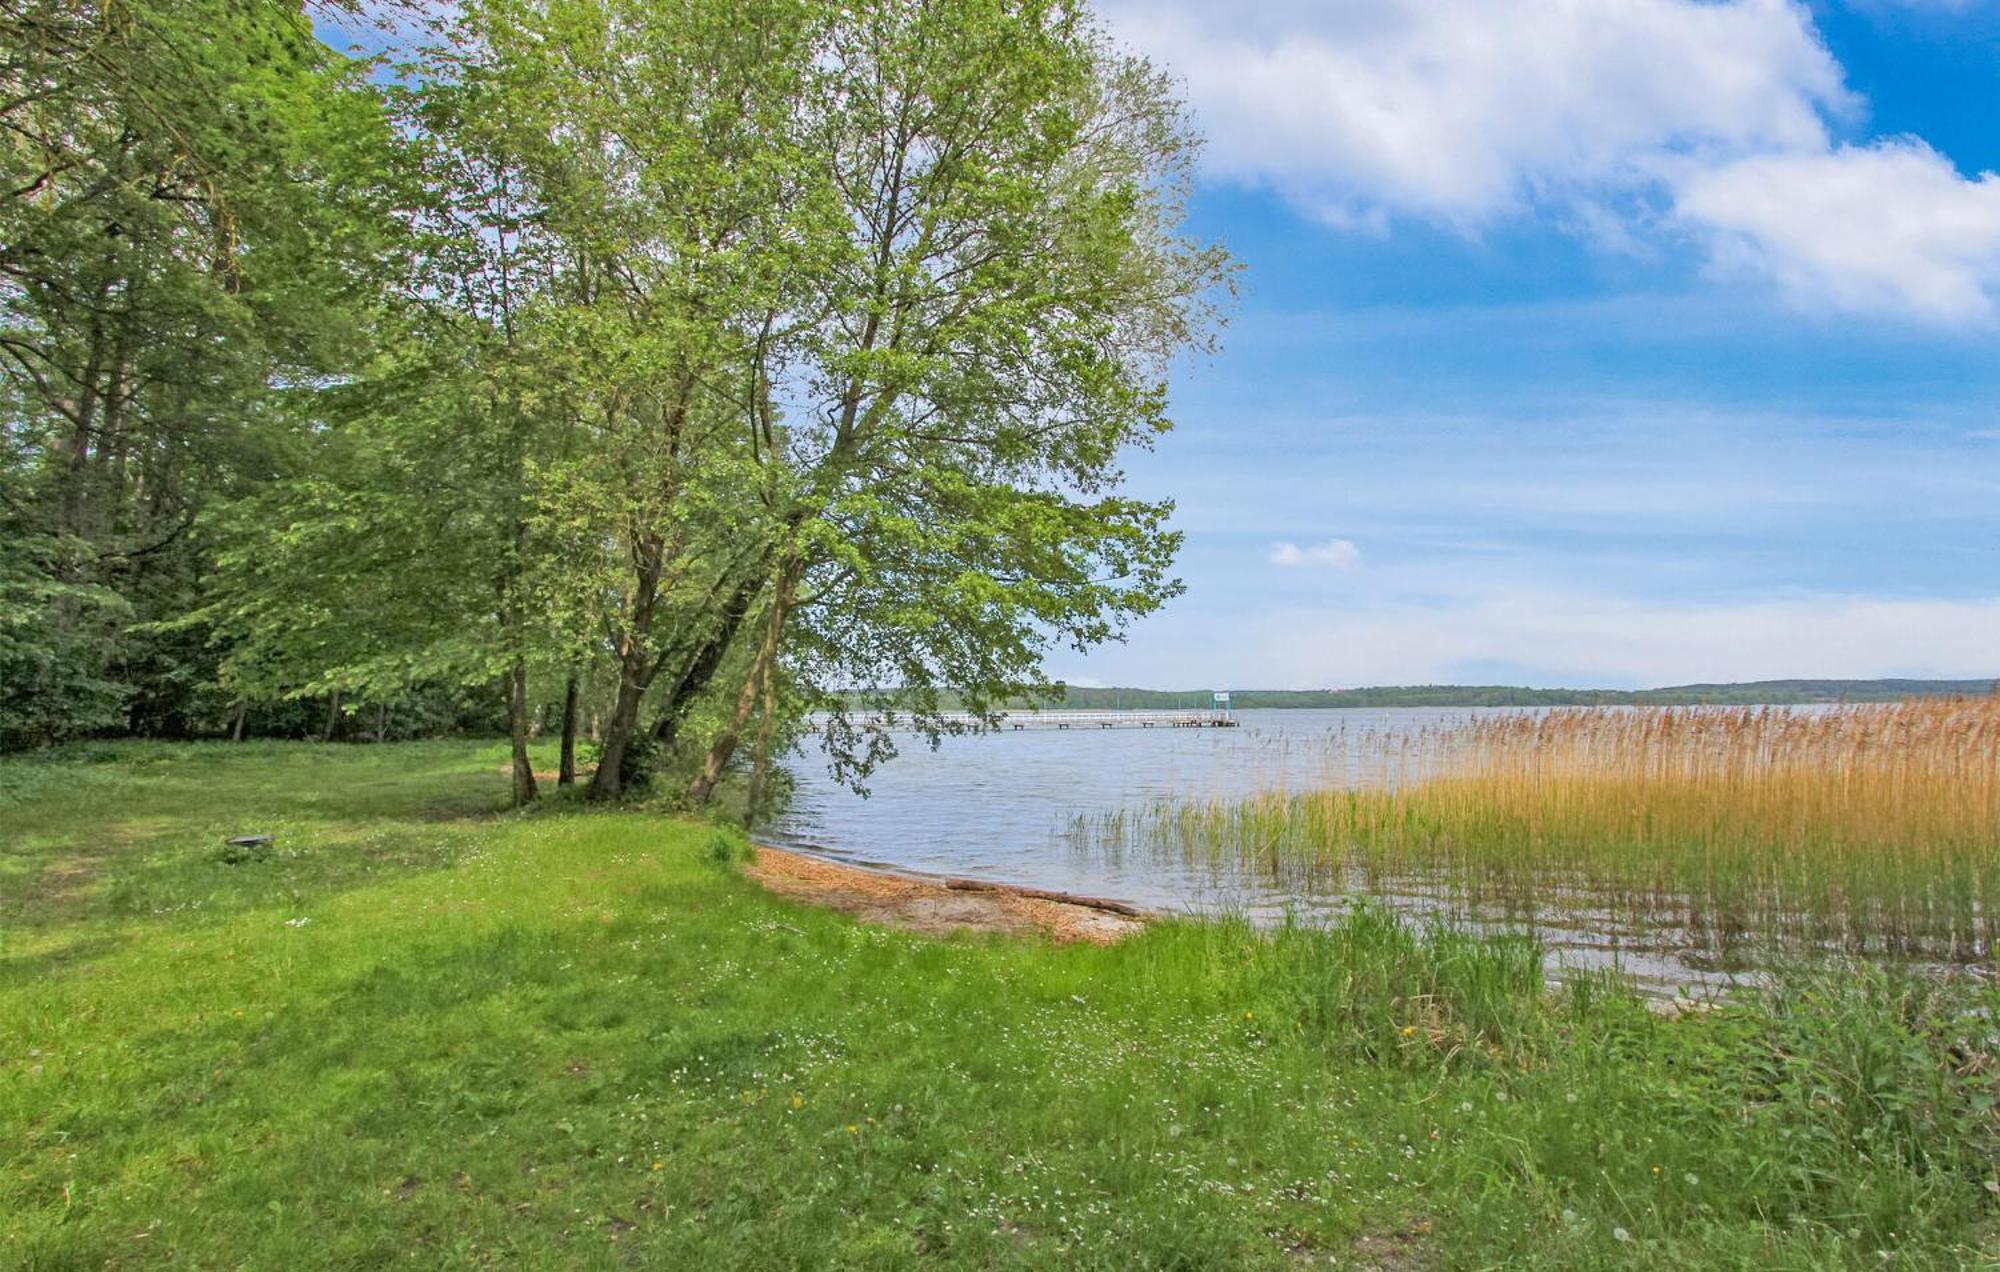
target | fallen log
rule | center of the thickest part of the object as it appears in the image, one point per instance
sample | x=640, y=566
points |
x=1045, y=894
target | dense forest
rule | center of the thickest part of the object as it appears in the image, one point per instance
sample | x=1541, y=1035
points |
x=650, y=375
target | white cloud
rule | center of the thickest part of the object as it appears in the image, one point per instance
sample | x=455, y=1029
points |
x=1622, y=120
x=1334, y=554
x=1464, y=109
x=1888, y=227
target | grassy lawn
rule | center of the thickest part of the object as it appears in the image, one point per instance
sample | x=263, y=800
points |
x=422, y=1031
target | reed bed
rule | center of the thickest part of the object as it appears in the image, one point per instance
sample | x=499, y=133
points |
x=1871, y=828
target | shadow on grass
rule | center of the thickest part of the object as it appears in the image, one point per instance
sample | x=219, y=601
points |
x=104, y=841
x=49, y=962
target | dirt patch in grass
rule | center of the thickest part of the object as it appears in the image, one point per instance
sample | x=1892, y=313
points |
x=938, y=906
x=549, y=777
x=1407, y=1249
x=52, y=891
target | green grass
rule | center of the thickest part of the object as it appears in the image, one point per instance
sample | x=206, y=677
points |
x=424, y=1032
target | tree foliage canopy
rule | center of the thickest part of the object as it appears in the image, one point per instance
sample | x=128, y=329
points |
x=188, y=227
x=718, y=365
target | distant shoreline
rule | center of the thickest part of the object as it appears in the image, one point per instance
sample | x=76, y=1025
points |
x=1748, y=693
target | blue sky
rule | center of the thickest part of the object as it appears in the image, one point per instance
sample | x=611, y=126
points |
x=1615, y=343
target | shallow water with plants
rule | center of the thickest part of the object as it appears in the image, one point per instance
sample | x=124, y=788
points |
x=1685, y=846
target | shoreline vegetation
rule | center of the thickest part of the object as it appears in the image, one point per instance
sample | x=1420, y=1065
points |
x=578, y=1035
x=1776, y=693
x=1738, y=832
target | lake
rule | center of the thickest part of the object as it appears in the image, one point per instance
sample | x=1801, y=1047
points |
x=1004, y=806
x=999, y=806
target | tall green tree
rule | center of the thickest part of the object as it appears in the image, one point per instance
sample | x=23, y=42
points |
x=990, y=330
x=598, y=189
x=185, y=216
x=403, y=545
x=662, y=151
x=738, y=355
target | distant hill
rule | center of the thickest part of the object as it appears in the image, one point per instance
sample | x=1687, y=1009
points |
x=1751, y=693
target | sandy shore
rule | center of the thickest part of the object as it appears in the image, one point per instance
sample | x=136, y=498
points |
x=939, y=906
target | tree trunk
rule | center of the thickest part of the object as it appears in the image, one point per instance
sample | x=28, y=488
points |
x=760, y=758
x=382, y=722
x=566, y=773
x=74, y=501
x=702, y=789
x=517, y=727
x=236, y=725
x=699, y=671
x=608, y=782
x=332, y=716
x=635, y=673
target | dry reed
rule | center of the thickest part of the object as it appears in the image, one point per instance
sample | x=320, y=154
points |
x=1873, y=827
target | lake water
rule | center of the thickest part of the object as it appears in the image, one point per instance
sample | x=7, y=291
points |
x=1001, y=806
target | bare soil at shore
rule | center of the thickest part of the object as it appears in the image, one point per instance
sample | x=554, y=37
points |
x=940, y=906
